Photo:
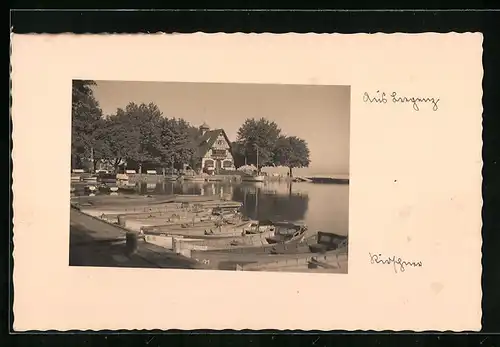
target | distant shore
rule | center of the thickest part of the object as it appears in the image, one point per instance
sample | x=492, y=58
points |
x=341, y=179
x=158, y=178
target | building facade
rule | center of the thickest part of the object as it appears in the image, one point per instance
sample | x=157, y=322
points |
x=214, y=149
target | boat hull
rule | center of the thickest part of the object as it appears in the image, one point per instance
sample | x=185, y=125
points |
x=122, y=177
x=90, y=179
x=90, y=188
x=194, y=178
x=198, y=229
x=253, y=179
x=298, y=236
x=153, y=207
x=199, y=225
x=180, y=243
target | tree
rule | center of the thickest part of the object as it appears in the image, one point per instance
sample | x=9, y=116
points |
x=291, y=152
x=132, y=134
x=194, y=133
x=140, y=134
x=258, y=135
x=143, y=125
x=117, y=140
x=238, y=154
x=194, y=138
x=175, y=142
x=85, y=119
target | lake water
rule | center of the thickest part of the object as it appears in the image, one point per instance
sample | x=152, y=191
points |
x=323, y=207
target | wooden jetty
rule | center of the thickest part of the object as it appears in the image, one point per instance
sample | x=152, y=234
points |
x=94, y=242
x=338, y=179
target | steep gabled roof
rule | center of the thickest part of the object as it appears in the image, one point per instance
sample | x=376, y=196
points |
x=208, y=139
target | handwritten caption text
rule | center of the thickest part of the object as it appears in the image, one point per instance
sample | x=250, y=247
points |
x=398, y=263
x=416, y=102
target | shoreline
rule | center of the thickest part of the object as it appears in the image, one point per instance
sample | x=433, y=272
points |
x=149, y=178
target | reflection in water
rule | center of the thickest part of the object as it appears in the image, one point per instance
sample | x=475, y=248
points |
x=321, y=206
x=262, y=201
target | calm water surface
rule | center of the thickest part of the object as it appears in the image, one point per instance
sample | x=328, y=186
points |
x=322, y=207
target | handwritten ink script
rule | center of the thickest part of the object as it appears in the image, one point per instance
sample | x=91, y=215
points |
x=398, y=263
x=384, y=98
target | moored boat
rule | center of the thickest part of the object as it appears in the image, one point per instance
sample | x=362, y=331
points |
x=194, y=178
x=122, y=177
x=90, y=188
x=328, y=242
x=177, y=213
x=198, y=229
x=295, y=246
x=214, y=179
x=105, y=177
x=175, y=218
x=150, y=206
x=329, y=179
x=125, y=189
x=320, y=242
x=253, y=178
x=226, y=212
x=226, y=242
x=255, y=175
x=248, y=233
x=286, y=232
x=199, y=223
x=134, y=207
x=180, y=243
x=103, y=187
x=90, y=179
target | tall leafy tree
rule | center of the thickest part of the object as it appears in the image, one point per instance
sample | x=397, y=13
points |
x=292, y=152
x=194, y=134
x=238, y=153
x=86, y=116
x=143, y=124
x=175, y=142
x=194, y=138
x=117, y=140
x=258, y=136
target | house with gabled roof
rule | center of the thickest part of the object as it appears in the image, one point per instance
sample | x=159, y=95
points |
x=214, y=149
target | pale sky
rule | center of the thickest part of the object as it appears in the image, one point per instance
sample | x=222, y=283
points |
x=318, y=114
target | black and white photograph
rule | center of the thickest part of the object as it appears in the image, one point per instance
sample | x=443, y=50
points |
x=218, y=176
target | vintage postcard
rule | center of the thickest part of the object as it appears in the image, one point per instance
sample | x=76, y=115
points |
x=237, y=180
x=240, y=181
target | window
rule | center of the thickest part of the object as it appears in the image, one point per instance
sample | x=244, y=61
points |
x=227, y=163
x=209, y=163
x=218, y=152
